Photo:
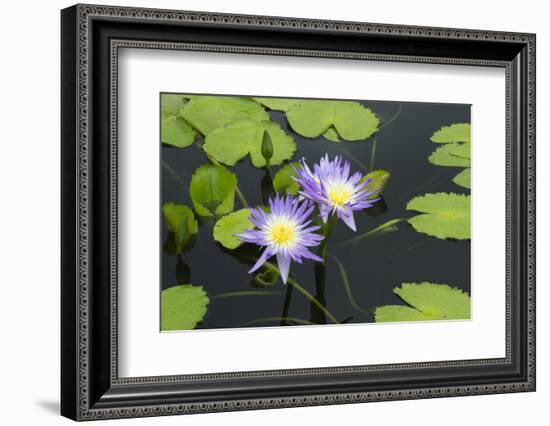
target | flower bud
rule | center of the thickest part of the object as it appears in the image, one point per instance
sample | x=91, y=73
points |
x=267, y=146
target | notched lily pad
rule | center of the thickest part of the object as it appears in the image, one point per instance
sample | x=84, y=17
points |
x=208, y=113
x=443, y=156
x=463, y=178
x=232, y=143
x=283, y=181
x=182, y=307
x=443, y=215
x=351, y=120
x=212, y=190
x=180, y=220
x=231, y=224
x=175, y=131
x=172, y=103
x=427, y=301
x=266, y=277
x=458, y=132
x=277, y=104
x=462, y=150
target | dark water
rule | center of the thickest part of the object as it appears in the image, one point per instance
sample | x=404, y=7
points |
x=374, y=266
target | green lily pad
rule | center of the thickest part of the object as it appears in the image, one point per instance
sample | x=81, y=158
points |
x=463, y=178
x=352, y=121
x=379, y=180
x=458, y=132
x=332, y=135
x=212, y=190
x=208, y=113
x=443, y=215
x=443, y=156
x=176, y=131
x=182, y=307
x=462, y=150
x=427, y=301
x=266, y=277
x=277, y=104
x=181, y=221
x=283, y=181
x=237, y=140
x=171, y=103
x=231, y=224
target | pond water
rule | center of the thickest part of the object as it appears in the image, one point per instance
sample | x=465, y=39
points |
x=374, y=266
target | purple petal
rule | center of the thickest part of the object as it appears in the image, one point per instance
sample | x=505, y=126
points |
x=347, y=217
x=284, y=266
x=263, y=258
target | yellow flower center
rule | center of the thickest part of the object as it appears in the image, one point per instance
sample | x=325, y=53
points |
x=283, y=234
x=339, y=194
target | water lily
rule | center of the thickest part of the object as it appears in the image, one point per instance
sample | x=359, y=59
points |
x=284, y=231
x=331, y=187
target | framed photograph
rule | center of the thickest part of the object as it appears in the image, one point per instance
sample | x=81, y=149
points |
x=263, y=212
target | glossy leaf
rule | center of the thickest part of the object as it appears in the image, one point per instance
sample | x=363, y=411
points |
x=443, y=156
x=212, y=190
x=231, y=224
x=277, y=104
x=442, y=215
x=208, y=113
x=458, y=132
x=463, y=178
x=427, y=301
x=237, y=140
x=183, y=307
x=180, y=220
x=379, y=180
x=352, y=121
x=283, y=181
x=176, y=131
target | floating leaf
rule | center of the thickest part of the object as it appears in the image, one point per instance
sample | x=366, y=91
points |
x=212, y=190
x=208, y=113
x=266, y=278
x=182, y=307
x=379, y=180
x=235, y=141
x=283, y=181
x=171, y=103
x=180, y=221
x=352, y=121
x=463, y=178
x=428, y=301
x=462, y=150
x=459, y=132
x=445, y=215
x=176, y=131
x=332, y=135
x=227, y=226
x=277, y=104
x=443, y=156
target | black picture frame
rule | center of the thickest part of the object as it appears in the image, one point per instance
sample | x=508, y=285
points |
x=90, y=38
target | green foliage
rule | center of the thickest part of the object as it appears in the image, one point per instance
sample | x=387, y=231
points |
x=283, y=181
x=351, y=120
x=332, y=135
x=237, y=140
x=208, y=113
x=180, y=220
x=266, y=277
x=379, y=180
x=182, y=307
x=458, y=132
x=427, y=301
x=463, y=178
x=176, y=132
x=212, y=190
x=231, y=224
x=444, y=215
x=443, y=156
x=277, y=104
x=171, y=103
x=462, y=150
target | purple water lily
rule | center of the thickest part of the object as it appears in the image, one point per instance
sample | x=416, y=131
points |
x=284, y=232
x=330, y=185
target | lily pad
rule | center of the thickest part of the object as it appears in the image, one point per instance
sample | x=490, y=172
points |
x=182, y=307
x=212, y=190
x=266, y=277
x=332, y=135
x=443, y=156
x=379, y=180
x=277, y=104
x=231, y=224
x=352, y=121
x=462, y=150
x=427, y=301
x=180, y=220
x=443, y=215
x=176, y=131
x=463, y=178
x=237, y=140
x=283, y=181
x=171, y=103
x=458, y=132
x=208, y=113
